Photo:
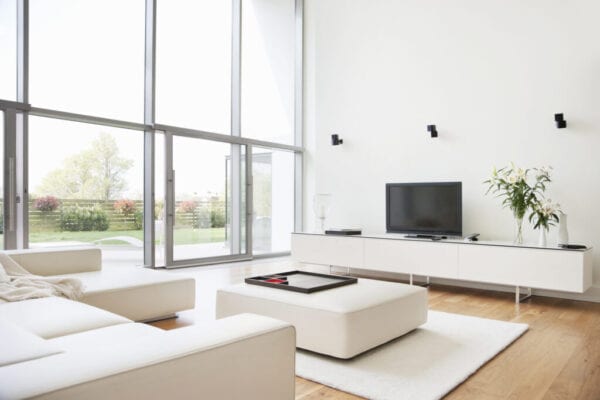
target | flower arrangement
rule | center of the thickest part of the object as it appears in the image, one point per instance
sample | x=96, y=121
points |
x=522, y=190
x=46, y=203
x=544, y=214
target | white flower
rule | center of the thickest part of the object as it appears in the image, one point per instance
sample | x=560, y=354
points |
x=512, y=179
x=544, y=172
x=547, y=208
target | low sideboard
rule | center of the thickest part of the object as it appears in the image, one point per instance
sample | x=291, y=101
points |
x=521, y=266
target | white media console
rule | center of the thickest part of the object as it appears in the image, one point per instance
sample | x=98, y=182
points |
x=501, y=263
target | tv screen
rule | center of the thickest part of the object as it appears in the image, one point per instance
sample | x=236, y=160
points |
x=424, y=208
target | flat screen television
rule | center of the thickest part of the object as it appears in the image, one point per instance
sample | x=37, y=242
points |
x=433, y=208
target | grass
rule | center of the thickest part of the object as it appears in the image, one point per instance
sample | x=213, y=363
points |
x=180, y=236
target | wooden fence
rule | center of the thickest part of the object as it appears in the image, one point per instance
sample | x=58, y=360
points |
x=200, y=217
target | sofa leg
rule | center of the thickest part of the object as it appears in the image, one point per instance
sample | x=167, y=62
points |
x=168, y=316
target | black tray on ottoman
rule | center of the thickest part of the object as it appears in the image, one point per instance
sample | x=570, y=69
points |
x=300, y=281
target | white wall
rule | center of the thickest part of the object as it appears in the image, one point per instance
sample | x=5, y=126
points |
x=490, y=74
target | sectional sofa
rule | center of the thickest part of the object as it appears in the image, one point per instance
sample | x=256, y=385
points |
x=54, y=348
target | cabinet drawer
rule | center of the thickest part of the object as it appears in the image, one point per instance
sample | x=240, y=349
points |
x=537, y=268
x=328, y=250
x=416, y=257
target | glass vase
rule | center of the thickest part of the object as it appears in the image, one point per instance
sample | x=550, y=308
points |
x=518, y=230
x=321, y=204
x=563, y=233
x=542, y=238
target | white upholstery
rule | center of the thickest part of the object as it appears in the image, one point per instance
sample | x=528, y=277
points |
x=137, y=293
x=49, y=317
x=340, y=322
x=107, y=356
x=63, y=260
x=133, y=292
x=19, y=345
x=244, y=357
x=105, y=336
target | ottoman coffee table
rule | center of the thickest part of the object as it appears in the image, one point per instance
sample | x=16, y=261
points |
x=340, y=322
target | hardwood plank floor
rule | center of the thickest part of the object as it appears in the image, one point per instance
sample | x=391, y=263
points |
x=558, y=358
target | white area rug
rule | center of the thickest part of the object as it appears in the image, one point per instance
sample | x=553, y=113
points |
x=424, y=364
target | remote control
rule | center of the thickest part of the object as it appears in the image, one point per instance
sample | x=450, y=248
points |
x=472, y=237
x=572, y=246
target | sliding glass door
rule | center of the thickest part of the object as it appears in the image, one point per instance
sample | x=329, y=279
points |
x=151, y=158
x=1, y=180
x=11, y=202
x=273, y=200
x=206, y=201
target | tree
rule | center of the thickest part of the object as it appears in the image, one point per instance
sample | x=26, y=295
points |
x=96, y=173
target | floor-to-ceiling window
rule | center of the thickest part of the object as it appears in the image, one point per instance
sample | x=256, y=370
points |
x=193, y=64
x=87, y=57
x=8, y=49
x=273, y=195
x=88, y=192
x=166, y=133
x=268, y=61
x=1, y=179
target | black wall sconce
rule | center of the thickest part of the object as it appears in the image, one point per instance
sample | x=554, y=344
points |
x=432, y=130
x=560, y=121
x=335, y=140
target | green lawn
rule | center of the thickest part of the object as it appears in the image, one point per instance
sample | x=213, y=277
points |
x=181, y=236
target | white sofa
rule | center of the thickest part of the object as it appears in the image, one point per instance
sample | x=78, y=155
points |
x=138, y=293
x=54, y=348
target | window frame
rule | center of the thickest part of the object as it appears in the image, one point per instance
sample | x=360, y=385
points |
x=17, y=112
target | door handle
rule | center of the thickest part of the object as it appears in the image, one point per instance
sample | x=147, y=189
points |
x=172, y=210
x=12, y=189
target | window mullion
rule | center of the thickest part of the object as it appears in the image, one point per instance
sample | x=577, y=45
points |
x=20, y=140
x=149, y=140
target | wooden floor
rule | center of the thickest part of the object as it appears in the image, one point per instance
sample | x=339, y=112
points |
x=558, y=358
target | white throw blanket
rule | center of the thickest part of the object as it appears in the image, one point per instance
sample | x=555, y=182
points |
x=17, y=284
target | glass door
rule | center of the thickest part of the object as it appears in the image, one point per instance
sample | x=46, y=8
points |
x=1, y=180
x=206, y=201
x=9, y=196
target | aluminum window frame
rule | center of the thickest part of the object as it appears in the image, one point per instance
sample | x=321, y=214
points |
x=16, y=129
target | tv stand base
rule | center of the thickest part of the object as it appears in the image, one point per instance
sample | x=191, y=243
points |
x=432, y=237
x=521, y=298
x=499, y=263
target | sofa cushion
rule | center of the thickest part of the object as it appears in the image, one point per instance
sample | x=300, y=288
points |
x=62, y=260
x=137, y=293
x=19, y=345
x=196, y=362
x=107, y=336
x=50, y=317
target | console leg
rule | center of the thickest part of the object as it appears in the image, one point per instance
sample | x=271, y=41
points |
x=519, y=298
x=427, y=283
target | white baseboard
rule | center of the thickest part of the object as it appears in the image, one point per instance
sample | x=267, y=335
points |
x=592, y=294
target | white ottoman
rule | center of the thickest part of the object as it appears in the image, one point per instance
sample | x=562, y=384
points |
x=340, y=322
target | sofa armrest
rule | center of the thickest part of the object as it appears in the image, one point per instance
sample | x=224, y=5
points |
x=241, y=357
x=59, y=261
